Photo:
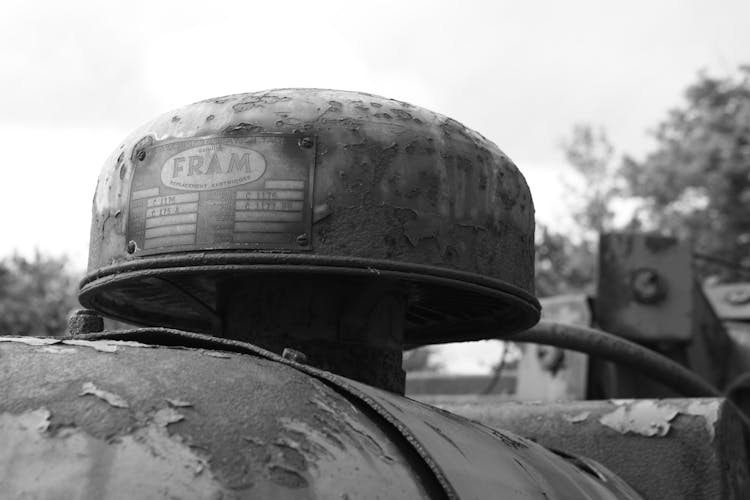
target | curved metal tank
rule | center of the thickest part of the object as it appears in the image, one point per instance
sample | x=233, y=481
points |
x=113, y=419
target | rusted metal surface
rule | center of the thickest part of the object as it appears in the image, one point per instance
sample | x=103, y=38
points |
x=484, y=462
x=469, y=461
x=113, y=420
x=664, y=449
x=634, y=266
x=382, y=187
x=647, y=292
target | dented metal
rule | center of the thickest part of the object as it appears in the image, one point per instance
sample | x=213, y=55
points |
x=176, y=423
x=312, y=181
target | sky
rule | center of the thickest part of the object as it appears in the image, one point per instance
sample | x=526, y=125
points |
x=76, y=77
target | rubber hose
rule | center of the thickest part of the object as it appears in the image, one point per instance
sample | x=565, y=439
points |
x=612, y=348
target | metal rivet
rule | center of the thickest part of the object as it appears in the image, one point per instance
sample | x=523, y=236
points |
x=294, y=355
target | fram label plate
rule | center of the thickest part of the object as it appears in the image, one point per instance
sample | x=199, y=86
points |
x=223, y=193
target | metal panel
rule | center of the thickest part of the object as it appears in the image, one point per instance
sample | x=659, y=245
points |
x=666, y=449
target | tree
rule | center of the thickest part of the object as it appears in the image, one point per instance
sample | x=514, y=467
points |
x=590, y=153
x=563, y=265
x=696, y=181
x=566, y=263
x=36, y=295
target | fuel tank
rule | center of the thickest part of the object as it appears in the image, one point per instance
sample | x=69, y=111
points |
x=190, y=416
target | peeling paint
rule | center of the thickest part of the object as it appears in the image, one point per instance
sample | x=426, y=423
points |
x=644, y=417
x=113, y=399
x=622, y=402
x=99, y=345
x=216, y=355
x=35, y=463
x=178, y=403
x=577, y=418
x=106, y=345
x=52, y=349
x=30, y=340
x=166, y=416
x=709, y=410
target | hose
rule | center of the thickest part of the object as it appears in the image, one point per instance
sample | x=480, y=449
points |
x=607, y=346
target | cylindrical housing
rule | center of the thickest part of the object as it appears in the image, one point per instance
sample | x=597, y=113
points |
x=308, y=181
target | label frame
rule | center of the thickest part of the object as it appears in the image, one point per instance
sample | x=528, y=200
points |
x=271, y=213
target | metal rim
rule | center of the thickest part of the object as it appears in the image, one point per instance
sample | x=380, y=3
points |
x=525, y=305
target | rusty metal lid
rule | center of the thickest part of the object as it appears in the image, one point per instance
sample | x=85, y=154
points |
x=310, y=181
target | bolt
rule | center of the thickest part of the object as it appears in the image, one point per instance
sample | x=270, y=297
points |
x=303, y=240
x=306, y=142
x=647, y=286
x=83, y=321
x=294, y=355
x=132, y=246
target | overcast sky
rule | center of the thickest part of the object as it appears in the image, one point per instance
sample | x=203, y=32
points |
x=77, y=77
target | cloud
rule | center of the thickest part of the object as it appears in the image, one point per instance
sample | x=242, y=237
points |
x=66, y=63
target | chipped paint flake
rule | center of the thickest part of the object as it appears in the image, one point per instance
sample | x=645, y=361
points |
x=622, y=402
x=30, y=340
x=149, y=463
x=113, y=399
x=178, y=403
x=644, y=417
x=579, y=417
x=166, y=416
x=99, y=345
x=52, y=349
x=709, y=410
x=217, y=355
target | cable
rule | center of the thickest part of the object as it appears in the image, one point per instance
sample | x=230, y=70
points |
x=617, y=349
x=607, y=346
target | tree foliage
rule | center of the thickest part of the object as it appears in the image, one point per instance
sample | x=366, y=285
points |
x=566, y=263
x=563, y=265
x=696, y=181
x=36, y=295
x=693, y=184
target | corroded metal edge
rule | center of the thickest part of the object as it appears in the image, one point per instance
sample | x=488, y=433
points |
x=525, y=307
x=429, y=431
